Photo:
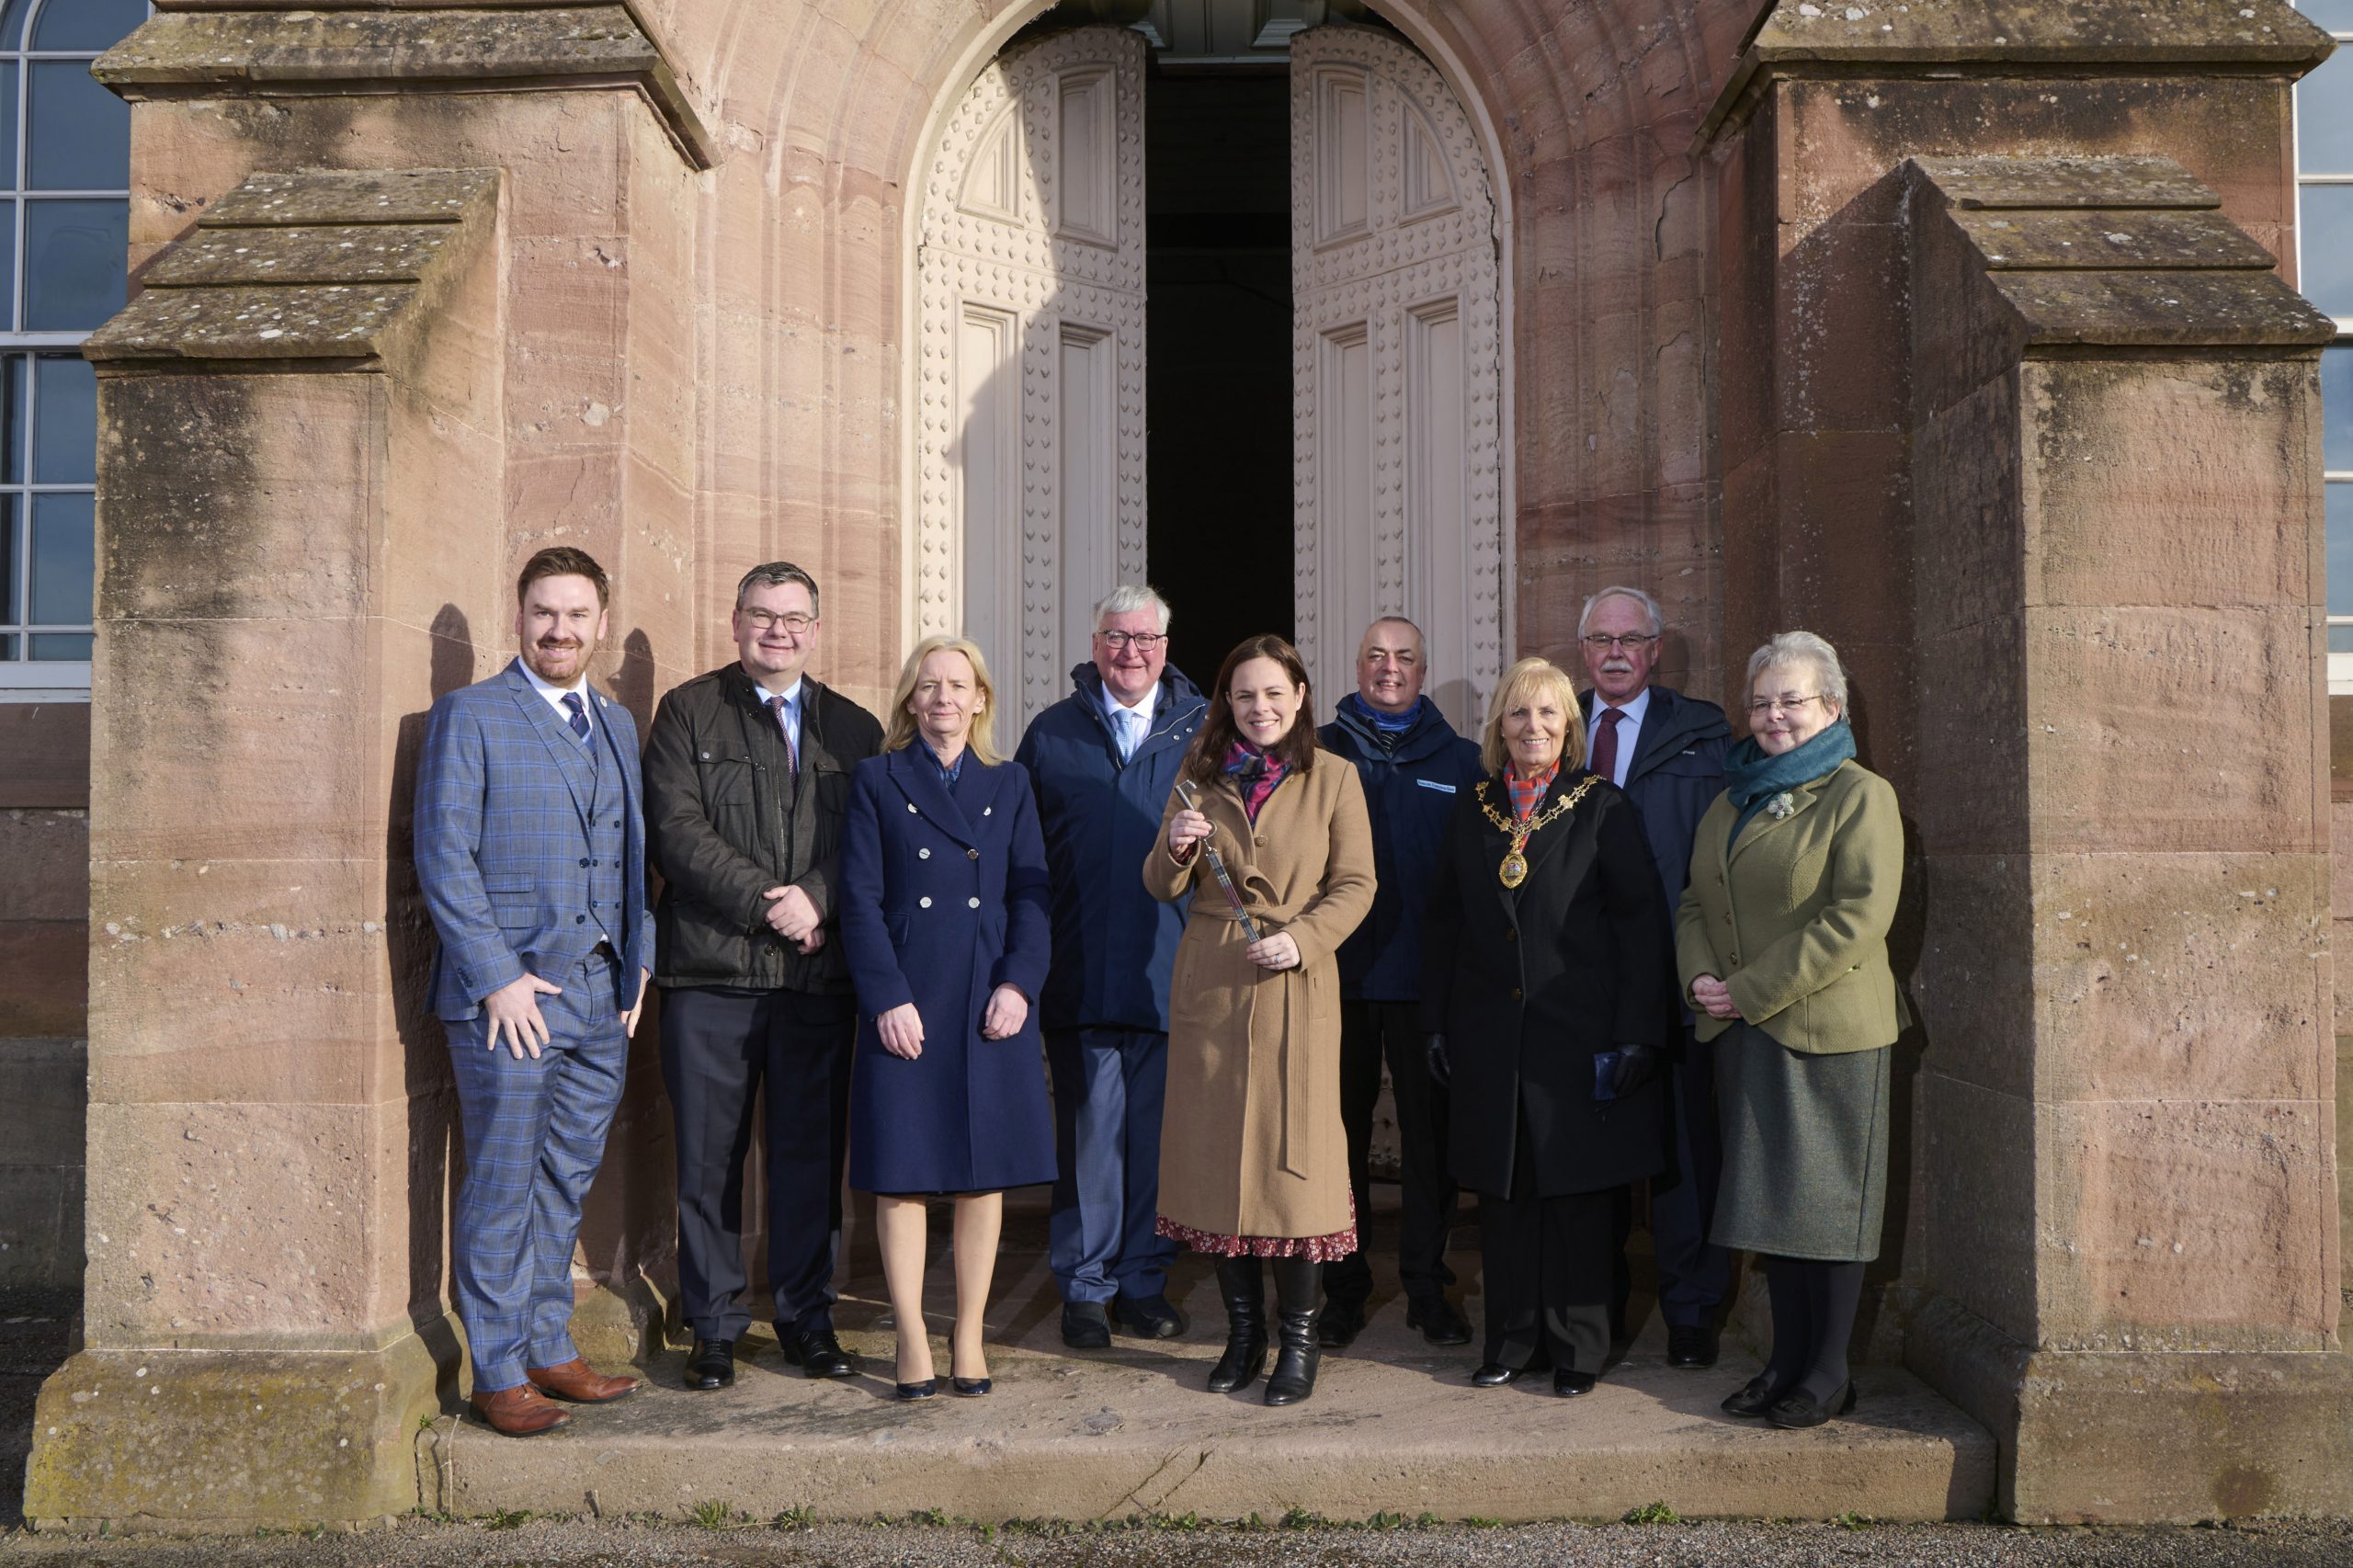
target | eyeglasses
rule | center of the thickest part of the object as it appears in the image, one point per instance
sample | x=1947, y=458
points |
x=795, y=622
x=1144, y=642
x=1602, y=641
x=1762, y=706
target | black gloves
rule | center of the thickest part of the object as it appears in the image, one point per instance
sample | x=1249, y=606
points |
x=1441, y=1066
x=1637, y=1065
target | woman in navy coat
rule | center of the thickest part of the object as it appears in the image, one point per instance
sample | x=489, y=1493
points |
x=945, y=923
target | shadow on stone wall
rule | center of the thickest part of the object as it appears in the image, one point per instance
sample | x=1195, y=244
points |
x=434, y=1151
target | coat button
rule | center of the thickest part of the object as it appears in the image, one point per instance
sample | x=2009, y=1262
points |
x=1510, y=935
x=923, y=854
x=583, y=859
x=1260, y=840
x=972, y=854
x=910, y=808
x=987, y=811
x=1515, y=993
x=923, y=904
x=580, y=920
x=972, y=904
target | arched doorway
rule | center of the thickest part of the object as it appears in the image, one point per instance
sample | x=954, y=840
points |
x=1036, y=444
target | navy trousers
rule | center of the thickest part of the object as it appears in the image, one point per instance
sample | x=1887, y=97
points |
x=1110, y=1085
x=1693, y=1274
x=535, y=1134
x=720, y=1050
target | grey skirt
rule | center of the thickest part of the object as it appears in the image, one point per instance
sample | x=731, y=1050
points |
x=1805, y=1148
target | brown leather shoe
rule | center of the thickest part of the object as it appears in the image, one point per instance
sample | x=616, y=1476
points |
x=582, y=1383
x=520, y=1412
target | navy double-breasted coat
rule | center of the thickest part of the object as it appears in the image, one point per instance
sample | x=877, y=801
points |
x=944, y=898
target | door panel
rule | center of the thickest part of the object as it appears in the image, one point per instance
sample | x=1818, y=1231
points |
x=1398, y=479
x=1030, y=401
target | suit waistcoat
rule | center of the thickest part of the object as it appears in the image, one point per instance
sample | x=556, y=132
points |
x=596, y=776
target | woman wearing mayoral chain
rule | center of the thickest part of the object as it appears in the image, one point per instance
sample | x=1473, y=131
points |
x=1254, y=1160
x=1544, y=988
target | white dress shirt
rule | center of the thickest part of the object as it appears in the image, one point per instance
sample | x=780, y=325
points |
x=1630, y=730
x=792, y=695
x=1143, y=710
x=556, y=694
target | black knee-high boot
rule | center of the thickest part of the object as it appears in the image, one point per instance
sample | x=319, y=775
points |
x=1244, y=1287
x=1299, y=1283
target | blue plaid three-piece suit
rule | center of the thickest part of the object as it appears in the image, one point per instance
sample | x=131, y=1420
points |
x=530, y=853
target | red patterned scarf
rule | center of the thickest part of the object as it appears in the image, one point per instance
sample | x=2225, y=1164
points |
x=1255, y=773
x=1528, y=794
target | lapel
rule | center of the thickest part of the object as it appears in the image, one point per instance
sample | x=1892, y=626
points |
x=1765, y=825
x=1657, y=730
x=578, y=773
x=911, y=770
x=610, y=738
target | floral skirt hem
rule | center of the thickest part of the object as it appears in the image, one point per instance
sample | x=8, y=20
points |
x=1321, y=1249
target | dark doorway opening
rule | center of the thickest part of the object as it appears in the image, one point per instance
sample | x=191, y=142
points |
x=1218, y=393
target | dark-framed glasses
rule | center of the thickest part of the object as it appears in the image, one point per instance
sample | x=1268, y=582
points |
x=792, y=621
x=1144, y=642
x=1602, y=641
x=1761, y=706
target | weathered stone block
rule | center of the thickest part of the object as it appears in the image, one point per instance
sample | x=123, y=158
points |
x=47, y=963
x=1976, y=1176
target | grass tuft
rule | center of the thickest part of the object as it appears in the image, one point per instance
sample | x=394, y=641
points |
x=1653, y=1513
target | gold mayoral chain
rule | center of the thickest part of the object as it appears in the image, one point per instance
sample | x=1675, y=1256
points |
x=1513, y=870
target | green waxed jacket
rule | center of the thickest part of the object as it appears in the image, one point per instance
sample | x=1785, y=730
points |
x=1794, y=919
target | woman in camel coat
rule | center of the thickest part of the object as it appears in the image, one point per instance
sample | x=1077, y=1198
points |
x=1253, y=1157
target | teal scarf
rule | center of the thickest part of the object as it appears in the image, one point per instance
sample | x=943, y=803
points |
x=1752, y=778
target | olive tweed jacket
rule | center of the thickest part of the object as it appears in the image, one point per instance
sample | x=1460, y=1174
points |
x=1794, y=917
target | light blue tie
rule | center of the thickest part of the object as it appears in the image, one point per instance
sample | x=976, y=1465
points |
x=1130, y=721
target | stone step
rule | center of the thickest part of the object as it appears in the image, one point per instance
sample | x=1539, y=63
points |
x=1394, y=1427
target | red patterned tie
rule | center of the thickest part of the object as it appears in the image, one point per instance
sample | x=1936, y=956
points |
x=1604, y=743
x=784, y=728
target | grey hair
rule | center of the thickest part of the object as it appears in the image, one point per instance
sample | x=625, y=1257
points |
x=1129, y=597
x=1650, y=607
x=776, y=574
x=1802, y=647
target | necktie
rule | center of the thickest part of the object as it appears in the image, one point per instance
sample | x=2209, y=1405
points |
x=1605, y=743
x=1131, y=722
x=579, y=720
x=784, y=726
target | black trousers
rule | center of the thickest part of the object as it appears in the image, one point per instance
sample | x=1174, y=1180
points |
x=719, y=1049
x=1370, y=1032
x=1548, y=1266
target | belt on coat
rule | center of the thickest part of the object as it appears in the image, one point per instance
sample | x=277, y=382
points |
x=1297, y=1126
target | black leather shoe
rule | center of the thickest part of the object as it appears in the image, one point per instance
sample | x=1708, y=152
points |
x=1494, y=1375
x=1438, y=1320
x=923, y=1389
x=1754, y=1397
x=818, y=1354
x=1569, y=1383
x=1147, y=1317
x=1085, y=1326
x=969, y=1388
x=1339, y=1326
x=1692, y=1346
x=712, y=1365
x=1797, y=1408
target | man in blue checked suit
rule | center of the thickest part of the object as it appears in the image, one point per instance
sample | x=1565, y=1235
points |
x=530, y=851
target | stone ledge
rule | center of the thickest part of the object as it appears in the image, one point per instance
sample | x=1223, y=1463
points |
x=217, y=52
x=2212, y=1435
x=318, y=264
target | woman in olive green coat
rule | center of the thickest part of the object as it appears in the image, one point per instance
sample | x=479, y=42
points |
x=1782, y=944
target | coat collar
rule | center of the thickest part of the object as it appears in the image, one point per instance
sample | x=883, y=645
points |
x=1803, y=797
x=1672, y=723
x=918, y=780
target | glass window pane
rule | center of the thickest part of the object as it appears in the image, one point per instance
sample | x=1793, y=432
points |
x=12, y=22
x=80, y=133
x=2336, y=409
x=64, y=561
x=2340, y=564
x=2337, y=16
x=15, y=406
x=8, y=170
x=87, y=24
x=11, y=507
x=64, y=647
x=77, y=266
x=65, y=447
x=7, y=648
x=2323, y=118
x=2327, y=248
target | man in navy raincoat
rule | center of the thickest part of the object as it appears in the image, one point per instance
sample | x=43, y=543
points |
x=1104, y=760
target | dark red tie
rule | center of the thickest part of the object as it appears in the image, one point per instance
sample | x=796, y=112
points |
x=1604, y=743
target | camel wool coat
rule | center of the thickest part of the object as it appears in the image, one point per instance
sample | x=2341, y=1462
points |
x=1251, y=1144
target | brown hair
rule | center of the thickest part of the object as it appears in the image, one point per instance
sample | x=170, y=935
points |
x=1524, y=682
x=1206, y=762
x=563, y=561
x=899, y=733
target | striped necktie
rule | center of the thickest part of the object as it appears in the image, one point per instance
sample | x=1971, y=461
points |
x=579, y=720
x=784, y=727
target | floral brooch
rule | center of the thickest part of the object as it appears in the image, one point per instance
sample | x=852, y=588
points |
x=1780, y=806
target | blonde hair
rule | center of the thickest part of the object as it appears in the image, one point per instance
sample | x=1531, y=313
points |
x=1525, y=680
x=900, y=733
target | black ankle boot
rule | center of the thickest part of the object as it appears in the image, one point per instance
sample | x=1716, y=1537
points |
x=1244, y=1287
x=1298, y=1287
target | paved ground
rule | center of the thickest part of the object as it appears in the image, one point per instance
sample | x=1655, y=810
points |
x=537, y=1543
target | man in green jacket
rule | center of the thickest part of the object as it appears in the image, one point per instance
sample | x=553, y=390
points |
x=746, y=782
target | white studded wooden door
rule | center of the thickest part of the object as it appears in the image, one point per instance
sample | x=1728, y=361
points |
x=1030, y=460
x=1396, y=367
